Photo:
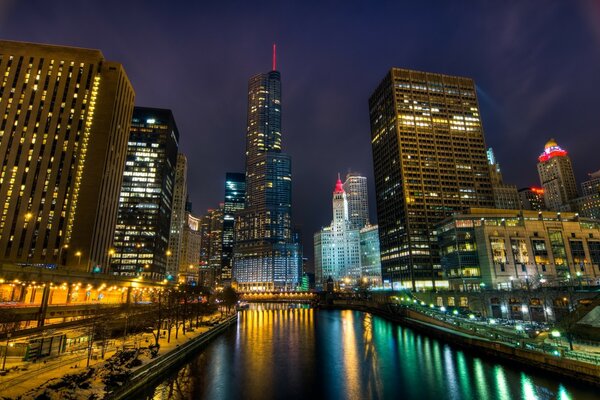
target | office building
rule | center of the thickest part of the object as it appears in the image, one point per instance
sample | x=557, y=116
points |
x=370, y=260
x=191, y=242
x=337, y=246
x=357, y=195
x=235, y=194
x=557, y=177
x=532, y=199
x=178, y=217
x=265, y=255
x=65, y=115
x=505, y=196
x=429, y=157
x=141, y=238
x=592, y=185
x=510, y=249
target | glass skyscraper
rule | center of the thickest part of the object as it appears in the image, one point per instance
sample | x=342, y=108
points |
x=265, y=255
x=143, y=223
x=235, y=195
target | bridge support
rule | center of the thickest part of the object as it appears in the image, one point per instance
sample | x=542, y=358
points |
x=43, y=306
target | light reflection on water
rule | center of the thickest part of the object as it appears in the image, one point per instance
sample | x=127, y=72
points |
x=276, y=352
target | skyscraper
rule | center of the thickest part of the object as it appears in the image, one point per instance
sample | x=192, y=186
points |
x=355, y=187
x=337, y=246
x=144, y=220
x=557, y=177
x=178, y=217
x=429, y=158
x=505, y=196
x=191, y=242
x=370, y=259
x=265, y=255
x=532, y=199
x=235, y=193
x=63, y=138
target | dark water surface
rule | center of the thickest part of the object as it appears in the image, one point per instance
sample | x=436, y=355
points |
x=302, y=353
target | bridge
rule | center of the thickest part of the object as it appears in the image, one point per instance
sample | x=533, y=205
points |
x=279, y=297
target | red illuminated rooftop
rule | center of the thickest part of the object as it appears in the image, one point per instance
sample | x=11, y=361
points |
x=551, y=150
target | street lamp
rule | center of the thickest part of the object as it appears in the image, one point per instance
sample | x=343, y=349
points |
x=60, y=251
x=6, y=351
x=78, y=254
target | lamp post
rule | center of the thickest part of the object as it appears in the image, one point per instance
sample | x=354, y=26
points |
x=28, y=217
x=6, y=351
x=111, y=253
x=78, y=254
x=60, y=252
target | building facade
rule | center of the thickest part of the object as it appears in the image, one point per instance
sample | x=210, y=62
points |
x=505, y=196
x=357, y=194
x=370, y=260
x=532, y=199
x=337, y=247
x=178, y=217
x=63, y=138
x=191, y=242
x=507, y=249
x=557, y=177
x=141, y=238
x=429, y=158
x=265, y=255
x=235, y=195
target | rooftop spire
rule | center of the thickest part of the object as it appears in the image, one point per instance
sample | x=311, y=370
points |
x=339, y=187
x=274, y=57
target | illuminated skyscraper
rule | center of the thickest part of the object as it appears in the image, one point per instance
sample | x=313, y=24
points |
x=178, y=218
x=65, y=115
x=355, y=187
x=144, y=220
x=505, y=196
x=265, y=255
x=337, y=246
x=429, y=159
x=532, y=199
x=235, y=193
x=557, y=177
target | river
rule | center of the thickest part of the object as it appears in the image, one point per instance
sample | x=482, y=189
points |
x=276, y=352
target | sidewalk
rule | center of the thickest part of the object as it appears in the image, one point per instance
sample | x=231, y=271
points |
x=32, y=375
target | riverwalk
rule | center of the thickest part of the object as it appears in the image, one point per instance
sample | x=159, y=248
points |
x=491, y=341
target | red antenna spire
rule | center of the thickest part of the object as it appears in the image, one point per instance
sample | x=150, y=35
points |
x=274, y=57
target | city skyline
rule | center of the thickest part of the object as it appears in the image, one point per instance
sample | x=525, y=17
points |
x=519, y=86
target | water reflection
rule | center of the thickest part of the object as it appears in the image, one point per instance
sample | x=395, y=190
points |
x=277, y=352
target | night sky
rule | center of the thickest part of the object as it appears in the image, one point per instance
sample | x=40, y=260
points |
x=536, y=65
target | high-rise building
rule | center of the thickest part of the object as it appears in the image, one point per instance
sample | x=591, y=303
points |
x=355, y=187
x=215, y=257
x=557, y=177
x=63, y=137
x=178, y=217
x=142, y=233
x=592, y=185
x=337, y=246
x=370, y=260
x=429, y=158
x=505, y=196
x=235, y=193
x=191, y=242
x=265, y=255
x=532, y=199
x=588, y=205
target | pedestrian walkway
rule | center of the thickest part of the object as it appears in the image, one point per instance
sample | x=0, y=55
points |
x=33, y=374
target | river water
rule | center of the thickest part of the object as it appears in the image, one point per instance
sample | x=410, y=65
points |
x=276, y=352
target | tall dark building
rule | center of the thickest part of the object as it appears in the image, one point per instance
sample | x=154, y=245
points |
x=265, y=255
x=142, y=235
x=429, y=158
x=63, y=136
x=235, y=195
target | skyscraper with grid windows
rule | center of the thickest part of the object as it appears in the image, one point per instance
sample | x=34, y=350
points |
x=429, y=159
x=265, y=255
